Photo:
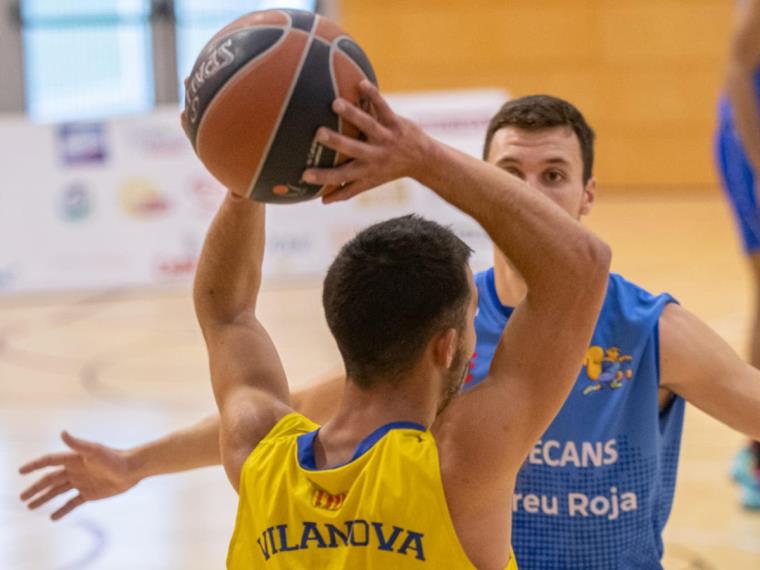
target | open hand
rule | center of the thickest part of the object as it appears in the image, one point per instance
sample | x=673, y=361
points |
x=394, y=147
x=94, y=470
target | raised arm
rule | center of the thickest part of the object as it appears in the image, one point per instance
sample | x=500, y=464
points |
x=701, y=367
x=247, y=377
x=744, y=61
x=494, y=426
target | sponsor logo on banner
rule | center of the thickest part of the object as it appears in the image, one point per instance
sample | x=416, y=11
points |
x=289, y=244
x=206, y=194
x=396, y=193
x=82, y=143
x=159, y=140
x=475, y=122
x=183, y=263
x=180, y=266
x=141, y=198
x=75, y=202
x=289, y=254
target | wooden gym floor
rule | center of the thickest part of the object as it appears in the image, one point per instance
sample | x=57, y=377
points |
x=122, y=367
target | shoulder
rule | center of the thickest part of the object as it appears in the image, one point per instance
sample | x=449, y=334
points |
x=273, y=445
x=248, y=417
x=289, y=425
x=632, y=302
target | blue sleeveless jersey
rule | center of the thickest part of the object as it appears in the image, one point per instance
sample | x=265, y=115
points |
x=737, y=174
x=597, y=489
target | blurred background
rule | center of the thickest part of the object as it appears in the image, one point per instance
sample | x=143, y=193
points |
x=103, y=209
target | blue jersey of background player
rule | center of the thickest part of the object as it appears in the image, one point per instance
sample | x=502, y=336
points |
x=737, y=145
x=597, y=489
x=609, y=458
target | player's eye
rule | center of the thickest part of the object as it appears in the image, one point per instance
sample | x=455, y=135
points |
x=554, y=176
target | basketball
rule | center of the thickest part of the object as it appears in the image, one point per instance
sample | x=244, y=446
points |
x=258, y=92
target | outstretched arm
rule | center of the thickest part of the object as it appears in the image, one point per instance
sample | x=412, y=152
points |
x=744, y=60
x=97, y=471
x=702, y=368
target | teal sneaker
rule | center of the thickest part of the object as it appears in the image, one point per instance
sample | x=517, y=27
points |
x=741, y=468
x=750, y=496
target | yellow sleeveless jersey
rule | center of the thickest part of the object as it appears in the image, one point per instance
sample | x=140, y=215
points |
x=384, y=509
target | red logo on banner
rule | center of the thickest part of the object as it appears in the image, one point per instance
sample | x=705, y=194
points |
x=177, y=267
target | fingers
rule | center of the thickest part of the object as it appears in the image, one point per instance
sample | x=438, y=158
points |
x=384, y=113
x=337, y=176
x=345, y=145
x=45, y=461
x=49, y=480
x=68, y=507
x=79, y=445
x=362, y=120
x=52, y=493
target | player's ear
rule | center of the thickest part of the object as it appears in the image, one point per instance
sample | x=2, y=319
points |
x=589, y=195
x=445, y=347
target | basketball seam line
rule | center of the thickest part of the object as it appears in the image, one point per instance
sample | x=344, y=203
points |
x=334, y=80
x=286, y=104
x=233, y=79
x=335, y=47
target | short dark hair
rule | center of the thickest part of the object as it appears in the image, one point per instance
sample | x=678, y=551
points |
x=389, y=290
x=536, y=112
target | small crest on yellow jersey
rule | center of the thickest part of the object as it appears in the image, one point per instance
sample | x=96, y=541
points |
x=324, y=500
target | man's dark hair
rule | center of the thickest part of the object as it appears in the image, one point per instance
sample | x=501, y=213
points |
x=536, y=112
x=389, y=290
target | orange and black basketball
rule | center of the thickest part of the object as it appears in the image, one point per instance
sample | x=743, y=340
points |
x=259, y=91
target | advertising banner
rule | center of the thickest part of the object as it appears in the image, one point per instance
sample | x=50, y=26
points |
x=126, y=202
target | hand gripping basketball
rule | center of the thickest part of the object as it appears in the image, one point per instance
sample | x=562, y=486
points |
x=394, y=148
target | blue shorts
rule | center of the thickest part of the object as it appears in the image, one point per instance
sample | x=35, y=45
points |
x=739, y=184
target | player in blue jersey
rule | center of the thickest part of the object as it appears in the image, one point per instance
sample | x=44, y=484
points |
x=738, y=157
x=597, y=489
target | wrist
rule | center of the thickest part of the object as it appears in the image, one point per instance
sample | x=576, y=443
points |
x=136, y=465
x=426, y=159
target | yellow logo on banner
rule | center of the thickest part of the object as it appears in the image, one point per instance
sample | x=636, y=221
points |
x=139, y=197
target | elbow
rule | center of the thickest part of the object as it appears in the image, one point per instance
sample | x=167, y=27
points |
x=592, y=264
x=601, y=256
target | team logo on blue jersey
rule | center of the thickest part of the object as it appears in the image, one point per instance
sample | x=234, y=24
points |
x=606, y=368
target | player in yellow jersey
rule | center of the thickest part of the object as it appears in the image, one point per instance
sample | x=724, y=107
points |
x=395, y=479
x=398, y=478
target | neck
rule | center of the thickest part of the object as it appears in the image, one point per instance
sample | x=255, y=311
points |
x=374, y=407
x=510, y=285
x=362, y=411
